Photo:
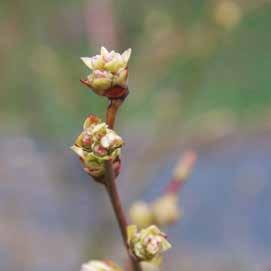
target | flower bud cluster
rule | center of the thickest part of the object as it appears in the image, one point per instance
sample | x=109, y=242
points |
x=109, y=70
x=147, y=244
x=96, y=144
x=100, y=266
x=163, y=212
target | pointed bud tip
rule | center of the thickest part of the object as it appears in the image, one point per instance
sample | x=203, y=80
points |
x=87, y=61
x=104, y=51
x=127, y=54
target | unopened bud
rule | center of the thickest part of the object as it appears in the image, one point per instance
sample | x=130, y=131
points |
x=96, y=144
x=141, y=214
x=91, y=121
x=100, y=81
x=109, y=73
x=166, y=210
x=147, y=244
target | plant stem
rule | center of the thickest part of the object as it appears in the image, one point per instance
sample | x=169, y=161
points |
x=182, y=171
x=113, y=194
x=112, y=110
x=111, y=187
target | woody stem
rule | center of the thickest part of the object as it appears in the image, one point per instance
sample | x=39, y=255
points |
x=111, y=187
x=112, y=110
x=113, y=194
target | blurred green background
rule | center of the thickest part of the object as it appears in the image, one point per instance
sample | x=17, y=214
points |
x=199, y=77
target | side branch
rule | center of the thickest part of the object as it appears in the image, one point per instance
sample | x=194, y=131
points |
x=181, y=173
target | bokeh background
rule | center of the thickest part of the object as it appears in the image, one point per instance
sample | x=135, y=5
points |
x=199, y=79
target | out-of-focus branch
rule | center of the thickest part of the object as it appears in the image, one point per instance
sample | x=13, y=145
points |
x=165, y=210
x=182, y=172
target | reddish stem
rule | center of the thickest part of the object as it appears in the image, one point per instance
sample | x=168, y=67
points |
x=182, y=172
x=111, y=187
x=112, y=191
x=174, y=186
x=112, y=110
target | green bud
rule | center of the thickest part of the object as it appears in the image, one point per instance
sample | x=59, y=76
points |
x=96, y=144
x=100, y=81
x=147, y=244
x=120, y=78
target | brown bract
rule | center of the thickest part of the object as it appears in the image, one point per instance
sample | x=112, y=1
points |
x=115, y=92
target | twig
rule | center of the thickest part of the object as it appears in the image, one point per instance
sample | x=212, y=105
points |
x=111, y=187
x=112, y=110
x=112, y=191
x=182, y=172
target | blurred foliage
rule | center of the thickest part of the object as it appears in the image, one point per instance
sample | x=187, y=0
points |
x=187, y=60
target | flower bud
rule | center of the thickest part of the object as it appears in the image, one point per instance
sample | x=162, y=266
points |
x=100, y=266
x=147, y=244
x=141, y=214
x=100, y=81
x=109, y=73
x=166, y=210
x=111, y=140
x=91, y=121
x=96, y=144
x=120, y=78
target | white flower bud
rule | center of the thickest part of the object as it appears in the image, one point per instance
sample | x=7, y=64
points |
x=111, y=140
x=109, y=70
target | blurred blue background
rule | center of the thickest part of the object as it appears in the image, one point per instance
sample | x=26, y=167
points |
x=199, y=79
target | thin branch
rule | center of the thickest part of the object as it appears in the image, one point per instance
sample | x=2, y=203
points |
x=112, y=110
x=181, y=173
x=111, y=187
x=112, y=191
